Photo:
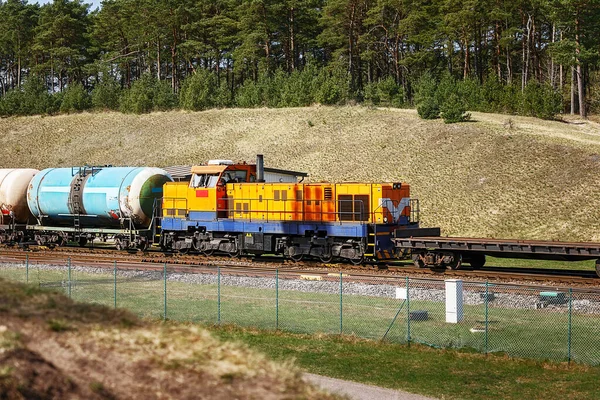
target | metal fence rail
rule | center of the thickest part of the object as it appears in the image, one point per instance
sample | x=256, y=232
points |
x=518, y=321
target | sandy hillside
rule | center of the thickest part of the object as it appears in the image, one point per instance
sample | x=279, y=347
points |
x=52, y=348
x=501, y=176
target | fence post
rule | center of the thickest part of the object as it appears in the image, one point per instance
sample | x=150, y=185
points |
x=69, y=276
x=341, y=304
x=115, y=283
x=486, y=316
x=165, y=290
x=219, y=295
x=27, y=268
x=407, y=310
x=570, y=325
x=277, y=299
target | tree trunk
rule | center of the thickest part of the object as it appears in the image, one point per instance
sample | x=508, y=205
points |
x=573, y=90
x=580, y=78
x=292, y=41
x=158, y=59
x=552, y=58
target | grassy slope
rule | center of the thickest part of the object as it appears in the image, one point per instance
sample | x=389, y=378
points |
x=444, y=374
x=526, y=179
x=51, y=347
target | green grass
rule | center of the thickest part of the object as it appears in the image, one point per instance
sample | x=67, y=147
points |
x=539, y=334
x=588, y=265
x=448, y=374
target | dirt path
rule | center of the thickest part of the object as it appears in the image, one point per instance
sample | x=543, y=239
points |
x=359, y=391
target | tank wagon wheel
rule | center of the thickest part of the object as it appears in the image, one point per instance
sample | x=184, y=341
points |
x=598, y=267
x=184, y=250
x=82, y=241
x=208, y=252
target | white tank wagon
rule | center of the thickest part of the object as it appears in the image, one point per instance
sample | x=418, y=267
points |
x=13, y=195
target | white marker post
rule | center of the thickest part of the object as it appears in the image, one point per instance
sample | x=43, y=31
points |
x=454, y=301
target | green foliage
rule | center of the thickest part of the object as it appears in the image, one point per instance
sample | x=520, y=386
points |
x=540, y=101
x=428, y=108
x=199, y=91
x=453, y=110
x=333, y=87
x=31, y=100
x=75, y=99
x=148, y=94
x=426, y=97
x=384, y=92
x=106, y=94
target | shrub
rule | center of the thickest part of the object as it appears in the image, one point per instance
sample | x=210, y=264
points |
x=36, y=99
x=541, y=100
x=147, y=94
x=249, y=95
x=10, y=104
x=426, y=97
x=454, y=110
x=428, y=108
x=390, y=93
x=332, y=86
x=199, y=91
x=75, y=98
x=105, y=94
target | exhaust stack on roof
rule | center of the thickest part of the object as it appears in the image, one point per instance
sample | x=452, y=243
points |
x=260, y=168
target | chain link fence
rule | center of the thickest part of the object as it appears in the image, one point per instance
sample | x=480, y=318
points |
x=519, y=321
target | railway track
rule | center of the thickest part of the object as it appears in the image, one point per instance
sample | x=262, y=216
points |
x=151, y=260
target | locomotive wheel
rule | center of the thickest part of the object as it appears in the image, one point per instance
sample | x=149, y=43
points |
x=82, y=241
x=297, y=257
x=184, y=250
x=357, y=260
x=326, y=257
x=208, y=252
x=234, y=254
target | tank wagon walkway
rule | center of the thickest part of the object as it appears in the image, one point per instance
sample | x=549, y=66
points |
x=360, y=391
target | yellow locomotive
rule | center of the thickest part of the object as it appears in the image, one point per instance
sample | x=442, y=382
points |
x=229, y=208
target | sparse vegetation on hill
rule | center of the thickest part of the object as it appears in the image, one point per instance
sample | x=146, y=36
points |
x=495, y=176
x=51, y=348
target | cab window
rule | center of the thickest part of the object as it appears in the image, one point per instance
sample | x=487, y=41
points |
x=204, y=181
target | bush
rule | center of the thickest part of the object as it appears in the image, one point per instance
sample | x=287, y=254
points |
x=75, y=98
x=454, y=110
x=35, y=98
x=249, y=95
x=426, y=97
x=428, y=108
x=199, y=91
x=541, y=100
x=11, y=103
x=106, y=94
x=147, y=94
x=332, y=86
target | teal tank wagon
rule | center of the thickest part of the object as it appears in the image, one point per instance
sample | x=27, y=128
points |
x=96, y=197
